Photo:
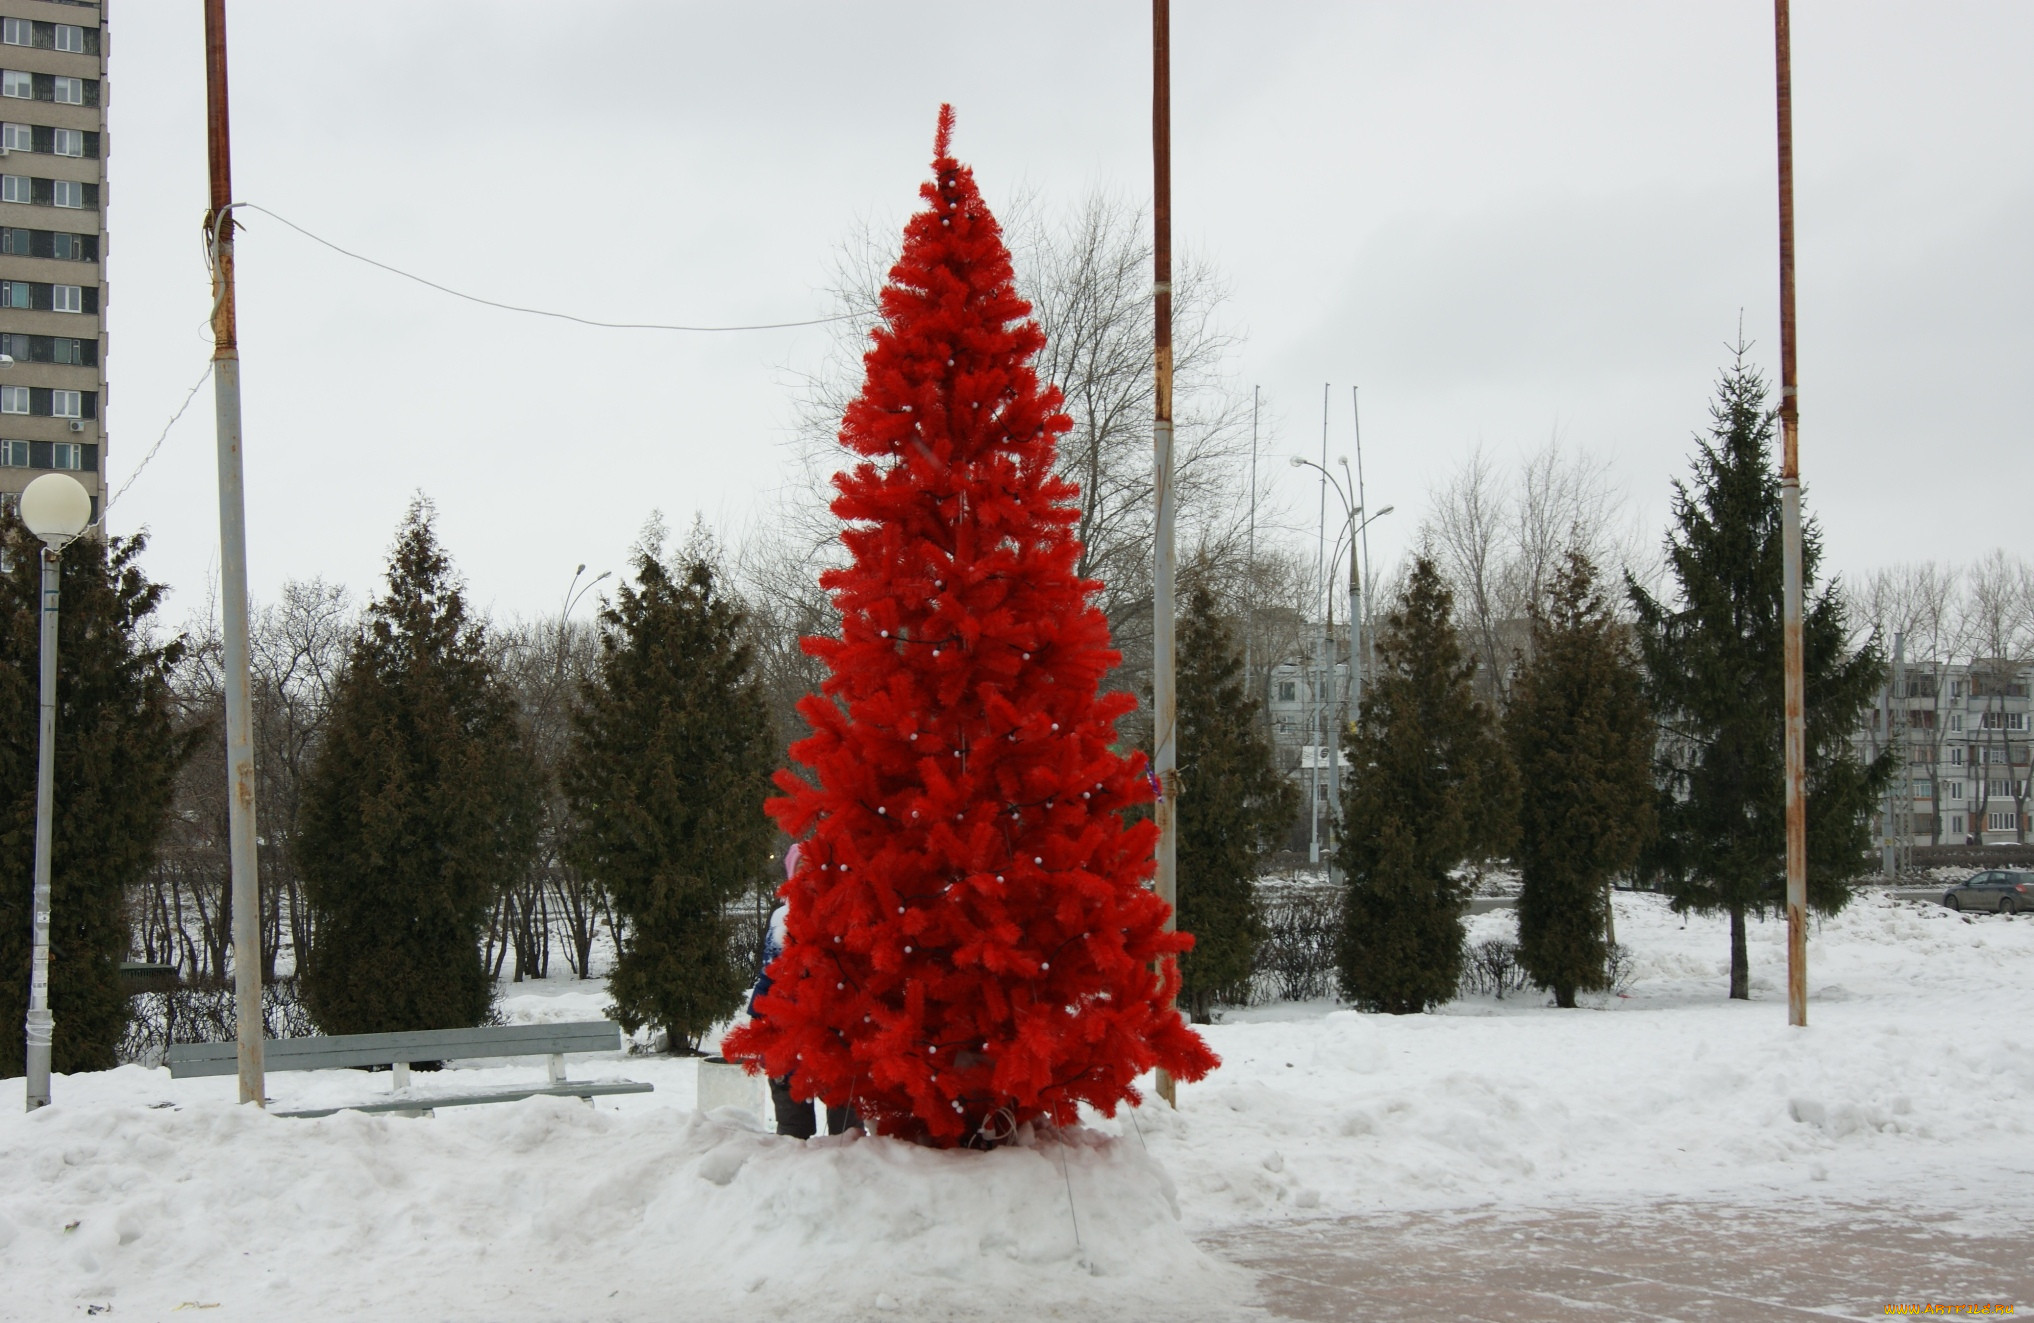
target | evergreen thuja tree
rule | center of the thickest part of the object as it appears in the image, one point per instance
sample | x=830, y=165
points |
x=971, y=942
x=1430, y=789
x=420, y=807
x=1713, y=671
x=668, y=770
x=1234, y=804
x=1582, y=741
x=118, y=752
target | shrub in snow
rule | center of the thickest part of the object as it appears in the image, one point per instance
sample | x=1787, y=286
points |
x=420, y=808
x=1430, y=787
x=1582, y=740
x=205, y=1013
x=1234, y=804
x=1296, y=959
x=666, y=779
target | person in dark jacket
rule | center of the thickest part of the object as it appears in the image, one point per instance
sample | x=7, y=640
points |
x=794, y=1118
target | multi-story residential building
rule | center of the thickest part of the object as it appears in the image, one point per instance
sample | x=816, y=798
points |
x=53, y=150
x=1963, y=732
x=1303, y=706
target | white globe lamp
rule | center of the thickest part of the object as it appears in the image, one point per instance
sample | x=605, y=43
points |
x=56, y=508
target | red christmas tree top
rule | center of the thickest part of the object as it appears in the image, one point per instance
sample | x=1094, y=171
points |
x=971, y=945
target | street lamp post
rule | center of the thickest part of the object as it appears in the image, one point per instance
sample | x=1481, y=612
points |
x=1352, y=512
x=56, y=508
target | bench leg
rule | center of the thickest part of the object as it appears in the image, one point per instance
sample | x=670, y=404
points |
x=557, y=1067
x=402, y=1075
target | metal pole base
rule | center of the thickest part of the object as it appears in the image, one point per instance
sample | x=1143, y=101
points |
x=41, y=1034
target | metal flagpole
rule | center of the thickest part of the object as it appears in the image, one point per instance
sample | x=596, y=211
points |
x=233, y=568
x=1250, y=555
x=1790, y=533
x=1164, y=697
x=1362, y=503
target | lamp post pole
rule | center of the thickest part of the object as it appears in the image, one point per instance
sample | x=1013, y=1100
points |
x=233, y=571
x=57, y=509
x=41, y=1023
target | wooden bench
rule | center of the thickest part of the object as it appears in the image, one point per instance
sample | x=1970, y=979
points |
x=400, y=1049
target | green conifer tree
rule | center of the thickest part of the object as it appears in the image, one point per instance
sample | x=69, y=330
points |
x=1430, y=788
x=1234, y=804
x=1713, y=667
x=669, y=767
x=118, y=751
x=1582, y=741
x=421, y=805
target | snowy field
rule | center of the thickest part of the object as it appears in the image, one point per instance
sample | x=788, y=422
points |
x=157, y=1198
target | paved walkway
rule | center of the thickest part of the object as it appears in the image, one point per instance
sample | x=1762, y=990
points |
x=1696, y=1263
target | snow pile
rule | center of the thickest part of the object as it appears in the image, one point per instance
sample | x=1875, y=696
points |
x=1910, y=1087
x=1911, y=1081
x=495, y=1211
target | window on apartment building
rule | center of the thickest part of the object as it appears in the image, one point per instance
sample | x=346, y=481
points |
x=13, y=399
x=1956, y=721
x=1956, y=755
x=17, y=32
x=68, y=142
x=1998, y=789
x=2002, y=822
x=66, y=404
x=1288, y=691
x=67, y=193
x=44, y=243
x=2003, y=721
x=17, y=84
x=17, y=137
x=1952, y=790
x=14, y=454
x=68, y=91
x=17, y=188
x=67, y=455
x=69, y=37
x=66, y=298
x=1956, y=824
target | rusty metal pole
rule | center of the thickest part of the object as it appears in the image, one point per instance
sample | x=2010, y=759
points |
x=1790, y=526
x=1164, y=694
x=233, y=569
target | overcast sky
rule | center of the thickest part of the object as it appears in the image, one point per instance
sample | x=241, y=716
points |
x=1503, y=220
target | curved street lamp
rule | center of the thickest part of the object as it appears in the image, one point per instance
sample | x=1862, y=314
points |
x=1353, y=512
x=56, y=508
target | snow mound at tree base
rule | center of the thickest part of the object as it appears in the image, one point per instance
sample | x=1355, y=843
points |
x=502, y=1211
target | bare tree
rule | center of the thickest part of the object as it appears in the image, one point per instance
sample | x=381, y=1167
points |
x=1920, y=604
x=1087, y=272
x=297, y=645
x=1999, y=630
x=1498, y=537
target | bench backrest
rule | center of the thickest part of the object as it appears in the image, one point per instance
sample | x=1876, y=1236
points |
x=511, y=1040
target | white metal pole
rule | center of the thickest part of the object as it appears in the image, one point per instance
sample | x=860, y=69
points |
x=1164, y=694
x=41, y=1023
x=233, y=573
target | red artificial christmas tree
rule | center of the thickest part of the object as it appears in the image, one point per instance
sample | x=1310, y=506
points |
x=970, y=943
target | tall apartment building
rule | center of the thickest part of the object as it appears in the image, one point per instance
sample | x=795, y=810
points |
x=52, y=244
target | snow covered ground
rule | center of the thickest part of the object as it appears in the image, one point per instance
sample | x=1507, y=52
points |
x=1911, y=1088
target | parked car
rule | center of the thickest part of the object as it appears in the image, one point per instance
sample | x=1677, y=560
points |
x=2000, y=889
